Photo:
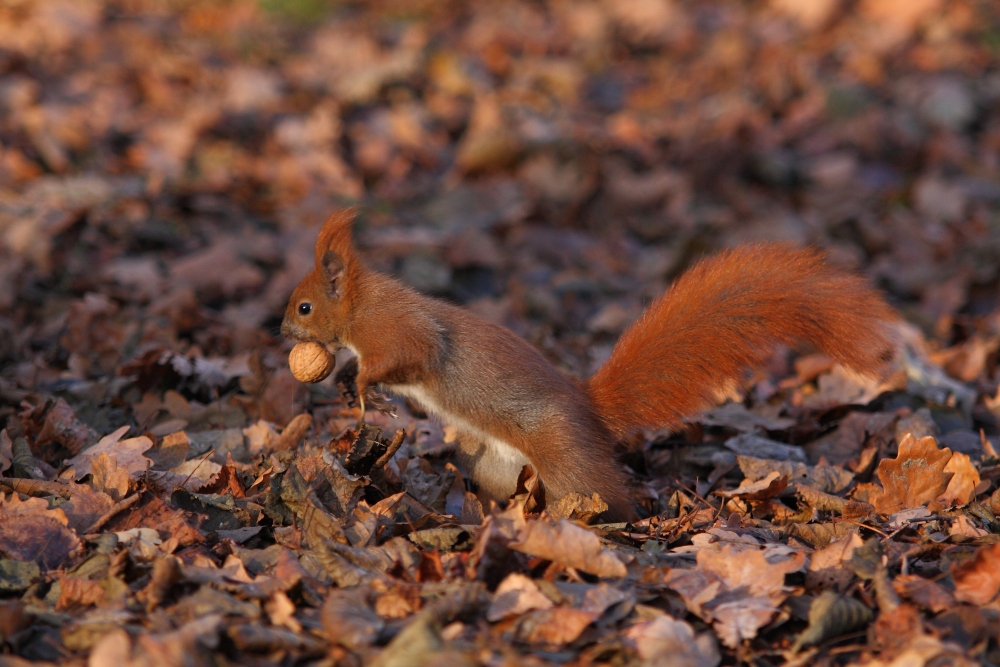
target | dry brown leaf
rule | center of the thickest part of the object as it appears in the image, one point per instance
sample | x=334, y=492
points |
x=293, y=434
x=554, y=627
x=112, y=650
x=227, y=480
x=260, y=436
x=768, y=487
x=602, y=597
x=85, y=506
x=569, y=545
x=962, y=486
x=577, y=507
x=831, y=615
x=826, y=565
x=750, y=568
x=109, y=477
x=348, y=620
x=6, y=450
x=925, y=592
x=62, y=426
x=29, y=531
x=665, y=640
x=963, y=529
x=76, y=594
x=281, y=612
x=737, y=590
x=177, y=647
x=977, y=580
x=200, y=469
x=842, y=386
x=516, y=595
x=398, y=602
x=915, y=477
x=129, y=454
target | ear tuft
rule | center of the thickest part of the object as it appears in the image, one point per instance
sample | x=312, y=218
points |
x=333, y=267
x=336, y=236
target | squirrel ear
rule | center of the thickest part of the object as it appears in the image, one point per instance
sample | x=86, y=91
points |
x=336, y=236
x=333, y=268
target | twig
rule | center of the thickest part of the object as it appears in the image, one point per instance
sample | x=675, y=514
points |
x=394, y=445
x=121, y=505
x=195, y=469
x=36, y=487
x=863, y=525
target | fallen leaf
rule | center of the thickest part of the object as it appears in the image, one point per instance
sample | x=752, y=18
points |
x=737, y=416
x=76, y=594
x=915, y=477
x=671, y=641
x=112, y=650
x=260, y=436
x=961, y=488
x=63, y=427
x=569, y=545
x=348, y=620
x=831, y=615
x=762, y=489
x=925, y=592
x=201, y=469
x=516, y=595
x=737, y=590
x=109, y=477
x=577, y=507
x=85, y=506
x=176, y=647
x=128, y=453
x=962, y=528
x=554, y=627
x=226, y=480
x=30, y=531
x=828, y=479
x=977, y=580
x=826, y=565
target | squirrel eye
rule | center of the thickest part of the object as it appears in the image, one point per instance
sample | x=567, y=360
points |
x=305, y=308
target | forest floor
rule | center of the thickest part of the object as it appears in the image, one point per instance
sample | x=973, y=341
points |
x=171, y=495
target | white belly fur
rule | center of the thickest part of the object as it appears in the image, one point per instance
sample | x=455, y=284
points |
x=501, y=451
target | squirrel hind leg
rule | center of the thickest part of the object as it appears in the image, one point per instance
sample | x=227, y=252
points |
x=493, y=464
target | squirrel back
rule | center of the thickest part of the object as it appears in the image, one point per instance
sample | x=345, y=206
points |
x=723, y=317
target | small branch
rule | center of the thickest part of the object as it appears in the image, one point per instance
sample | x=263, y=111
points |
x=35, y=487
x=121, y=505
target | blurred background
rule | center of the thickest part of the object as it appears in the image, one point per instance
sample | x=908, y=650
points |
x=164, y=165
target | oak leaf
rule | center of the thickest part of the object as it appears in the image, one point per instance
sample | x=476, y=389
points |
x=516, y=595
x=109, y=477
x=30, y=531
x=129, y=454
x=977, y=580
x=962, y=486
x=915, y=477
x=737, y=590
x=569, y=545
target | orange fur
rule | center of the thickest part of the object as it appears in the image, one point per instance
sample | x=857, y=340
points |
x=725, y=316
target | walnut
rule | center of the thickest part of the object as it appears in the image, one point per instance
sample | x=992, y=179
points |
x=310, y=362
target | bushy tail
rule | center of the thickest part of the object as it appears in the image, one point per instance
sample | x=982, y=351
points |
x=725, y=316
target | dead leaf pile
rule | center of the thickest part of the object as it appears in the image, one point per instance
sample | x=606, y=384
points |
x=171, y=495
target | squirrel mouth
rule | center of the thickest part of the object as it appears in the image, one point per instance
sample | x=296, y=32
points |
x=293, y=332
x=296, y=333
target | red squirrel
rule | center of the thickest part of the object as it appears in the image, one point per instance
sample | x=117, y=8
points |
x=511, y=407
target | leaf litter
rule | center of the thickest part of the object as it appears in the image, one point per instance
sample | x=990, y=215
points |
x=170, y=495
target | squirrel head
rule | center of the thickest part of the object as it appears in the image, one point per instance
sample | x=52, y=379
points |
x=320, y=307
